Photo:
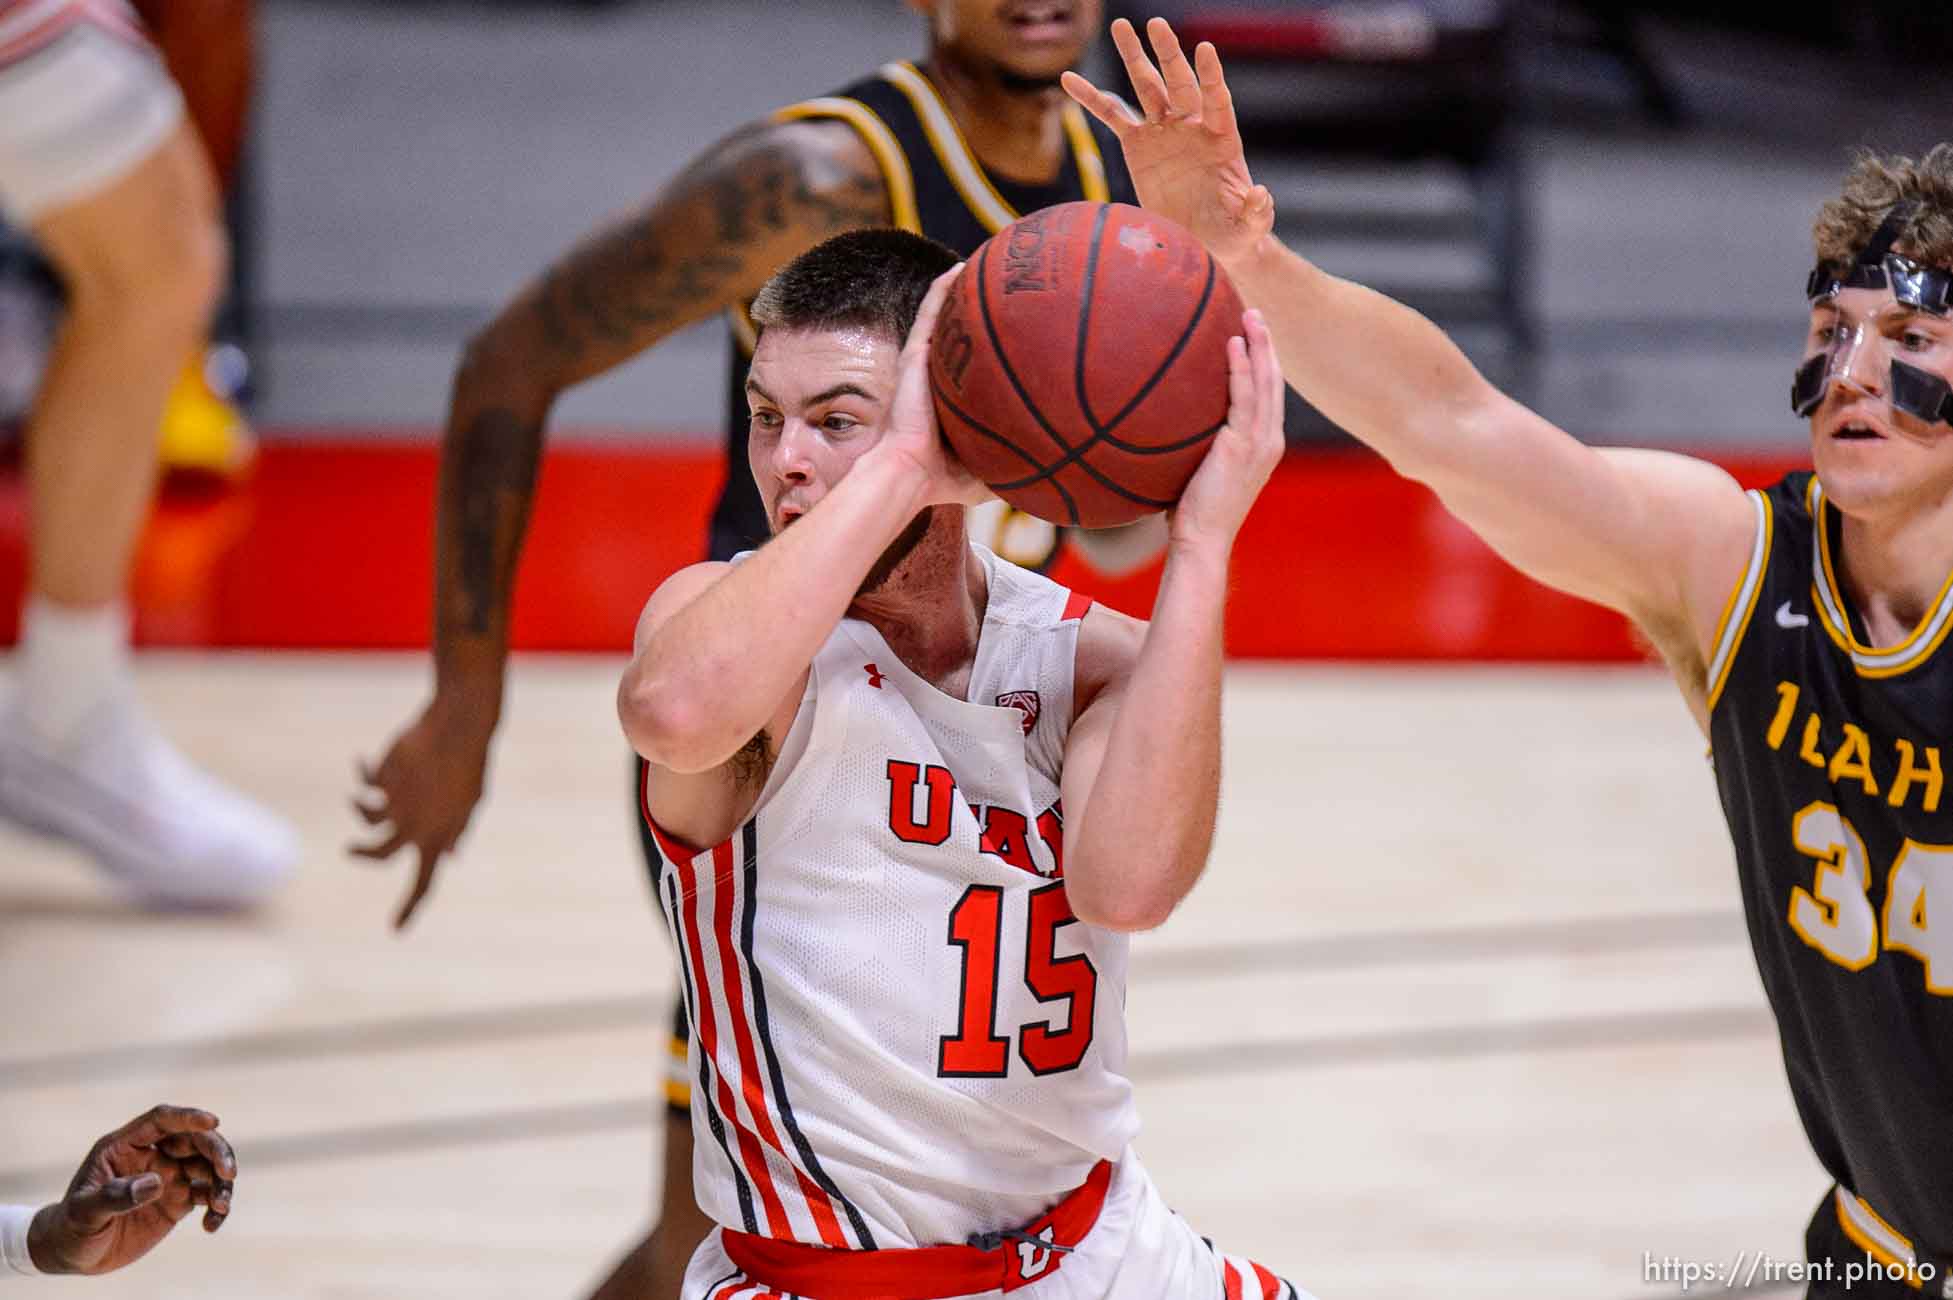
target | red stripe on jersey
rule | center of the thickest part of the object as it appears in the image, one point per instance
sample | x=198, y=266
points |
x=1271, y=1286
x=750, y=1152
x=674, y=852
x=749, y=1072
x=731, y=1288
x=1230, y=1280
x=1076, y=603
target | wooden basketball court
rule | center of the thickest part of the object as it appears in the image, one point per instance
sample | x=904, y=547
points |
x=1463, y=1007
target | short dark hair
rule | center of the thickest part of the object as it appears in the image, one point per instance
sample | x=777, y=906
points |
x=864, y=279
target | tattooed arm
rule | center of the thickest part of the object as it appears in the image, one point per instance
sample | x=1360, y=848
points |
x=709, y=240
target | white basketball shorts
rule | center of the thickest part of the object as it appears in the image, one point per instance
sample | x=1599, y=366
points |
x=77, y=111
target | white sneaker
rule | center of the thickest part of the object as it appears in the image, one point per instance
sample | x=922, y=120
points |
x=168, y=833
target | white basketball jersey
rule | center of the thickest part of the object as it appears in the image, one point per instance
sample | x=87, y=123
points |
x=900, y=1034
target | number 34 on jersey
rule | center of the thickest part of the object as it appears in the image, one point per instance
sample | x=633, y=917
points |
x=1835, y=915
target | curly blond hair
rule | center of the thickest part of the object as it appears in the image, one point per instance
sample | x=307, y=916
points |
x=1876, y=181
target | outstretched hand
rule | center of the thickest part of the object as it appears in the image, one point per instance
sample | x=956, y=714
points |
x=423, y=792
x=134, y=1186
x=1185, y=153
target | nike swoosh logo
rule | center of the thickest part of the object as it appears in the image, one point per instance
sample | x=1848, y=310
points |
x=1787, y=619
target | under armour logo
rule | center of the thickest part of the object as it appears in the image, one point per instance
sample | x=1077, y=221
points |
x=875, y=677
x=1787, y=619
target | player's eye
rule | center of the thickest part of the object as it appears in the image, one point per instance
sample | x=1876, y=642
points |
x=838, y=423
x=766, y=420
x=1917, y=341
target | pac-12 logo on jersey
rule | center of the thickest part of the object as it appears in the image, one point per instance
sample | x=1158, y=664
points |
x=1025, y=702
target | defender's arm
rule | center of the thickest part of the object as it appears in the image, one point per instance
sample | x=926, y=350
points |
x=1661, y=538
x=708, y=241
x=1658, y=536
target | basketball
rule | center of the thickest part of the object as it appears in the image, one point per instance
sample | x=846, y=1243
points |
x=1079, y=366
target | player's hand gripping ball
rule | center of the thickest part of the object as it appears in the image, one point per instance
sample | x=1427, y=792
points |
x=1080, y=365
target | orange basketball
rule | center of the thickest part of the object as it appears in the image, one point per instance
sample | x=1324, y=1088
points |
x=1080, y=364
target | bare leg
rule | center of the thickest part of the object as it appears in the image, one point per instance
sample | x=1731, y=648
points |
x=142, y=258
x=655, y=1267
x=143, y=261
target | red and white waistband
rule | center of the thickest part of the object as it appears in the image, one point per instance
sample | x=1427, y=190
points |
x=1004, y=1261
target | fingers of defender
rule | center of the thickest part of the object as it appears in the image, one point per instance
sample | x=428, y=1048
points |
x=212, y=1148
x=224, y=1163
x=372, y=802
x=159, y=1122
x=91, y=1210
x=1107, y=108
x=208, y=1167
x=198, y=1182
x=380, y=850
x=1216, y=100
x=423, y=881
x=1147, y=87
x=218, y=1210
x=1182, y=87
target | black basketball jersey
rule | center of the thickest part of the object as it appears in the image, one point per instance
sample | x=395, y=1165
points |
x=937, y=188
x=1832, y=761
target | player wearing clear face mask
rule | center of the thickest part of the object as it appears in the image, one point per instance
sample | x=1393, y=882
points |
x=1806, y=626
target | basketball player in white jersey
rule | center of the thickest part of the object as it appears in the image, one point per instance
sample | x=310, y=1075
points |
x=910, y=797
x=97, y=162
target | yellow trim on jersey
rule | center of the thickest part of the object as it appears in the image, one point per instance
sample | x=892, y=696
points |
x=894, y=165
x=880, y=141
x=960, y=162
x=1870, y=661
x=1874, y=1235
x=1085, y=148
x=1729, y=631
x=951, y=149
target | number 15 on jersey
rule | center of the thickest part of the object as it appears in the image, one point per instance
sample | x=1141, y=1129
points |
x=976, y=925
